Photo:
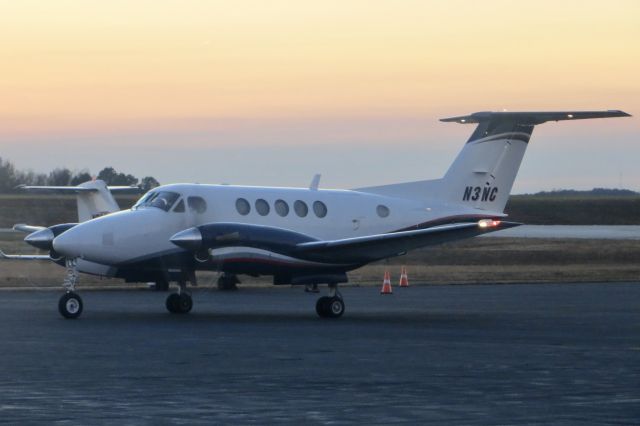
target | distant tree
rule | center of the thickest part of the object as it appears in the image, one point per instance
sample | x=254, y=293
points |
x=107, y=174
x=111, y=177
x=59, y=177
x=148, y=182
x=80, y=177
x=7, y=176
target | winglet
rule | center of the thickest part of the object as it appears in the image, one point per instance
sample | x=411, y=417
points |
x=315, y=182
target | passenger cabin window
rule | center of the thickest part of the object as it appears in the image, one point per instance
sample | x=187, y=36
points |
x=282, y=208
x=179, y=208
x=243, y=207
x=301, y=208
x=320, y=209
x=197, y=205
x=383, y=211
x=262, y=207
x=163, y=200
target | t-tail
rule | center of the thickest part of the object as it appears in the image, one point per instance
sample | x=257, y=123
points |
x=482, y=175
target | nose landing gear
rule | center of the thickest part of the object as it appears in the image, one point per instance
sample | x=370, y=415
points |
x=70, y=304
x=331, y=306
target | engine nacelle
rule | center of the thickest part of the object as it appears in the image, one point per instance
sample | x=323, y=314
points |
x=217, y=235
x=43, y=239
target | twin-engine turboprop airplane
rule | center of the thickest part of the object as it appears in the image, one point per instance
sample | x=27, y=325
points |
x=300, y=236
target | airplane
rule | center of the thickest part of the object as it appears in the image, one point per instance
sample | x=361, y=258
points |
x=299, y=236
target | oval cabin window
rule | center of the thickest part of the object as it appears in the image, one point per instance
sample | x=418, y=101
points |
x=282, y=208
x=383, y=211
x=301, y=208
x=262, y=207
x=320, y=209
x=243, y=207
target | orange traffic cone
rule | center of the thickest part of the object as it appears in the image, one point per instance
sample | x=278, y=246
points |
x=404, y=281
x=386, y=284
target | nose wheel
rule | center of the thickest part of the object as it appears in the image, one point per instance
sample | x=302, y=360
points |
x=331, y=306
x=70, y=305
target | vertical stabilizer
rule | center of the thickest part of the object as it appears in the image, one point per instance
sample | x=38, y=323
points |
x=484, y=172
x=97, y=201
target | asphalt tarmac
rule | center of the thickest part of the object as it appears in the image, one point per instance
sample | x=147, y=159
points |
x=489, y=354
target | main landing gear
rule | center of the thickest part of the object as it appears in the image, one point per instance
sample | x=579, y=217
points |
x=227, y=282
x=180, y=302
x=331, y=306
x=70, y=304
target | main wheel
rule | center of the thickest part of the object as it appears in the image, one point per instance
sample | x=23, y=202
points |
x=172, y=303
x=335, y=307
x=70, y=305
x=185, y=303
x=321, y=307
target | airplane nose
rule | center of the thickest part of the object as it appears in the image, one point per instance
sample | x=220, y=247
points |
x=42, y=239
x=67, y=244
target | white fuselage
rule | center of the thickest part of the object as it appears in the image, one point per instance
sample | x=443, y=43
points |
x=144, y=232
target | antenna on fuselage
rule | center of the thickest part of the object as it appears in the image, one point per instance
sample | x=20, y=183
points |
x=315, y=182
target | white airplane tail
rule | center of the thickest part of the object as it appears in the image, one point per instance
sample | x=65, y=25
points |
x=94, y=198
x=95, y=203
x=483, y=174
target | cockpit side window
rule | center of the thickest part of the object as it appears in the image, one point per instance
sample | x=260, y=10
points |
x=146, y=197
x=179, y=207
x=159, y=199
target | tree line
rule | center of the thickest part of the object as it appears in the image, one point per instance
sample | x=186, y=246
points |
x=10, y=178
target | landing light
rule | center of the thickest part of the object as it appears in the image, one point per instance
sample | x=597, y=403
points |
x=488, y=223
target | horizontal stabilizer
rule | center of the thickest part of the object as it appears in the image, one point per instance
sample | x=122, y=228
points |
x=76, y=189
x=27, y=228
x=24, y=256
x=533, y=118
x=55, y=189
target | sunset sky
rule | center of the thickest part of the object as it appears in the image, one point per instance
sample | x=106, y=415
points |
x=271, y=92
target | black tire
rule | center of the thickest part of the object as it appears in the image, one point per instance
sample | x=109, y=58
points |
x=70, y=305
x=321, y=307
x=334, y=307
x=185, y=303
x=172, y=303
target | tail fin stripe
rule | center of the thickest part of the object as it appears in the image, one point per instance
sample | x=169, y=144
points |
x=520, y=136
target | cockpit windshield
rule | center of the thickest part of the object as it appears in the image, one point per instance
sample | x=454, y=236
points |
x=159, y=199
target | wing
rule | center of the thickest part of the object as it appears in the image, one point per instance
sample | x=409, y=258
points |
x=381, y=246
x=349, y=250
x=3, y=255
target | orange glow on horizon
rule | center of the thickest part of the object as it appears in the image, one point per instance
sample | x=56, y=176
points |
x=94, y=65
